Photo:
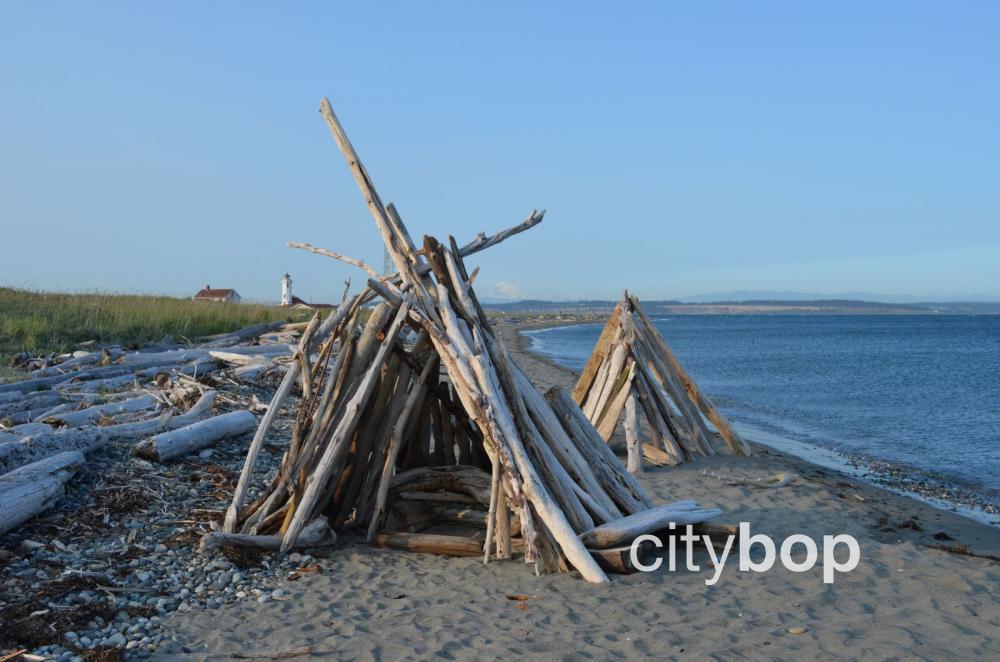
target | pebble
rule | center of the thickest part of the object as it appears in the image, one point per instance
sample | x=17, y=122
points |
x=205, y=454
x=173, y=578
x=798, y=629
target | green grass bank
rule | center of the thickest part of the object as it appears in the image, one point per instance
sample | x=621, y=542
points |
x=53, y=322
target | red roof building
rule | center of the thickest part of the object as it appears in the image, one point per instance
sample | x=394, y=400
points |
x=207, y=293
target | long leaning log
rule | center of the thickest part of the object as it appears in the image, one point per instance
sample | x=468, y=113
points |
x=35, y=488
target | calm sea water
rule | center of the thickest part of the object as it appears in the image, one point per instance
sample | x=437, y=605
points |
x=919, y=391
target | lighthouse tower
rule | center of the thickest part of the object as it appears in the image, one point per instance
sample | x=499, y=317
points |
x=286, y=290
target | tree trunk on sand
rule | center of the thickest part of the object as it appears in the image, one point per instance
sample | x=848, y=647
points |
x=242, y=335
x=163, y=423
x=91, y=415
x=184, y=440
x=35, y=402
x=429, y=543
x=35, y=488
x=23, y=450
x=315, y=534
x=629, y=528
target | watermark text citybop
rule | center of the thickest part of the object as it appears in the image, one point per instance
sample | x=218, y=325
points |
x=746, y=541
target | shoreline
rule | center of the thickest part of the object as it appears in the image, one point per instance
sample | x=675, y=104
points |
x=901, y=479
x=924, y=586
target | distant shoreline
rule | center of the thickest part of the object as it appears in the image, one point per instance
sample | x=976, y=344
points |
x=757, y=307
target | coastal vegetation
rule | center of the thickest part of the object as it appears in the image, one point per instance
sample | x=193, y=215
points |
x=50, y=322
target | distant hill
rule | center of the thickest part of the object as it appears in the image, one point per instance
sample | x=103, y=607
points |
x=583, y=306
x=791, y=295
x=758, y=306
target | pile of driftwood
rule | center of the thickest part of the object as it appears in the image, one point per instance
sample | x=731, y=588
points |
x=633, y=370
x=418, y=429
x=154, y=398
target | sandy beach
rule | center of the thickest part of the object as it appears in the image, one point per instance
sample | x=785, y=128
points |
x=905, y=600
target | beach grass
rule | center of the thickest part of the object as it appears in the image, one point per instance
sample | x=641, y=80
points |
x=56, y=322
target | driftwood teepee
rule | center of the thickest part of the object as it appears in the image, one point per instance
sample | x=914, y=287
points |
x=418, y=413
x=633, y=370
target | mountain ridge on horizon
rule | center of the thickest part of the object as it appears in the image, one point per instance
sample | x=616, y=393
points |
x=870, y=297
x=804, y=305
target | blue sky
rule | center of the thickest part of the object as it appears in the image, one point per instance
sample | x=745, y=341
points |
x=678, y=149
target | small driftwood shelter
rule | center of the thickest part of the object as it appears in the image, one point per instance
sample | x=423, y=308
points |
x=418, y=429
x=632, y=372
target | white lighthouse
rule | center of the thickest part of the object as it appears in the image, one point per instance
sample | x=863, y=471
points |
x=286, y=290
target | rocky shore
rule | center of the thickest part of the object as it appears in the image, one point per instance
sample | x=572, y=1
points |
x=119, y=552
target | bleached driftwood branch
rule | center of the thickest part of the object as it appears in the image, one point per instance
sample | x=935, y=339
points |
x=361, y=264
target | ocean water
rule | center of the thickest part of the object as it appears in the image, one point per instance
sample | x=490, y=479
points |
x=917, y=392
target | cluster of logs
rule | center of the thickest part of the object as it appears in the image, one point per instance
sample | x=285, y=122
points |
x=152, y=398
x=415, y=417
x=633, y=370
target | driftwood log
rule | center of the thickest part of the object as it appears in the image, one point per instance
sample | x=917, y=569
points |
x=35, y=488
x=243, y=335
x=24, y=451
x=168, y=445
x=87, y=398
x=627, y=529
x=429, y=543
x=18, y=401
x=91, y=415
x=168, y=421
x=619, y=559
x=30, y=448
x=28, y=429
x=317, y=534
